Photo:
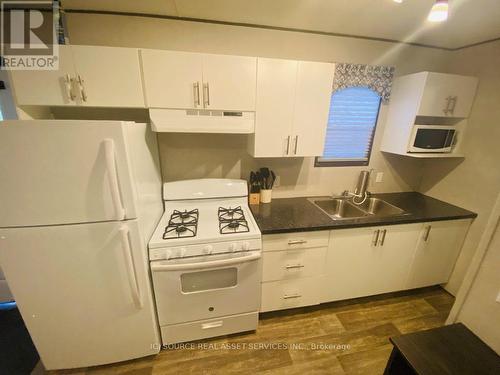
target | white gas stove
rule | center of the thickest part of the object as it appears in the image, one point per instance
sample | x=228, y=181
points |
x=206, y=260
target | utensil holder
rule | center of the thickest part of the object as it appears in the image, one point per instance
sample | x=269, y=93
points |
x=265, y=195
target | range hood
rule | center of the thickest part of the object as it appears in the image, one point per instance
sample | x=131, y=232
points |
x=201, y=121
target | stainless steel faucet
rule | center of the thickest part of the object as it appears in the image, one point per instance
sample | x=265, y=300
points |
x=361, y=190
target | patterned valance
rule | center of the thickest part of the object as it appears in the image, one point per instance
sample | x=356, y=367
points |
x=377, y=78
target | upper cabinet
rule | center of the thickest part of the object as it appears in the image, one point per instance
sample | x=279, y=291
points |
x=428, y=115
x=447, y=95
x=108, y=76
x=186, y=80
x=46, y=87
x=87, y=75
x=293, y=100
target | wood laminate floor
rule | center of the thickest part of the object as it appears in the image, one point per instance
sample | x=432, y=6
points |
x=347, y=337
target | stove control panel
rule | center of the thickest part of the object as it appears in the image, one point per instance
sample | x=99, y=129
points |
x=204, y=249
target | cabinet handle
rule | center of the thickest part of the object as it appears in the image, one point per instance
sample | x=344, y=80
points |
x=427, y=232
x=382, y=240
x=287, y=145
x=296, y=143
x=67, y=83
x=206, y=98
x=454, y=99
x=290, y=296
x=447, y=108
x=375, y=240
x=82, y=88
x=196, y=89
x=291, y=266
x=296, y=242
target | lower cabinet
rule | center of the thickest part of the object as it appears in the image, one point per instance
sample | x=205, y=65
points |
x=368, y=261
x=308, y=268
x=436, y=252
x=293, y=265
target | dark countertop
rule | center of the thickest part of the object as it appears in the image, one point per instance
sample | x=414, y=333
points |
x=284, y=215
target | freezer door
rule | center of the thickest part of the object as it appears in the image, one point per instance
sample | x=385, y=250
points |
x=64, y=172
x=83, y=291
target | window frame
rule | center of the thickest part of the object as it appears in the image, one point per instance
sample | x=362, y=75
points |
x=352, y=162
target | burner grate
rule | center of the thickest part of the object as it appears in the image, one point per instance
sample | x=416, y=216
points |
x=182, y=224
x=232, y=220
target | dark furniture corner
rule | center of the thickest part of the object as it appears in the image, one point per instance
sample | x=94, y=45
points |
x=447, y=350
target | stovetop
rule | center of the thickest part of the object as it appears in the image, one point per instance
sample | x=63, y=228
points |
x=194, y=221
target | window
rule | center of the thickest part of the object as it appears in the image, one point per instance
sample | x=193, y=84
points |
x=351, y=127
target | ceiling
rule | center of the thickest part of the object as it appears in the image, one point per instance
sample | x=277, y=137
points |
x=470, y=21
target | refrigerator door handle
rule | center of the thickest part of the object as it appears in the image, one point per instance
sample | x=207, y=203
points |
x=129, y=262
x=109, y=147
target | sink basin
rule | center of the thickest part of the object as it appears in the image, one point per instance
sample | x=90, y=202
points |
x=339, y=208
x=343, y=208
x=378, y=207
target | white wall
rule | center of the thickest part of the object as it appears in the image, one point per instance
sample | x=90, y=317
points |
x=480, y=310
x=473, y=182
x=225, y=156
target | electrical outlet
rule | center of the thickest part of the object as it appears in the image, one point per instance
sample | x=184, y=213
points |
x=379, y=177
x=277, y=181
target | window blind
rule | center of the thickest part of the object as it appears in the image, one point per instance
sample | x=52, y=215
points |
x=351, y=125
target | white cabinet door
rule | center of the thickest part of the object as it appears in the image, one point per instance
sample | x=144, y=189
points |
x=369, y=261
x=172, y=79
x=83, y=291
x=447, y=95
x=111, y=76
x=439, y=245
x=229, y=82
x=46, y=87
x=274, y=112
x=312, y=105
x=66, y=172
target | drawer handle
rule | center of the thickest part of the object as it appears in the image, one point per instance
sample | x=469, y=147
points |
x=211, y=325
x=291, y=266
x=290, y=296
x=296, y=242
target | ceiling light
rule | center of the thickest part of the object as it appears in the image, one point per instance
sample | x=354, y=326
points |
x=398, y=1
x=439, y=11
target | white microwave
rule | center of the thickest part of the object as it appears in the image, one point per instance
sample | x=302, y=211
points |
x=432, y=138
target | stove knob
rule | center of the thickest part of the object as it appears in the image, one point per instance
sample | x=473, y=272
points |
x=246, y=246
x=233, y=247
x=208, y=249
x=182, y=252
x=168, y=254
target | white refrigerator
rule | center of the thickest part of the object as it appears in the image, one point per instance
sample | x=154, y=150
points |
x=78, y=203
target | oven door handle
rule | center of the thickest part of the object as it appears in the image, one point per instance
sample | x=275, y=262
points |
x=201, y=265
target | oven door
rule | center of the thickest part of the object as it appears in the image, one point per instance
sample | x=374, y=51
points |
x=429, y=138
x=206, y=287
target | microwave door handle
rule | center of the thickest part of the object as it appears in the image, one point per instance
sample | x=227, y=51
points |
x=201, y=265
x=450, y=137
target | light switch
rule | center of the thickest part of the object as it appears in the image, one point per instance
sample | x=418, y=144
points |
x=498, y=297
x=379, y=177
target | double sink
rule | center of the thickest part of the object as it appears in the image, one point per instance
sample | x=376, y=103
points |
x=343, y=208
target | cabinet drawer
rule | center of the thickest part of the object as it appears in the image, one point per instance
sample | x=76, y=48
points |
x=291, y=241
x=293, y=264
x=286, y=294
x=201, y=329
